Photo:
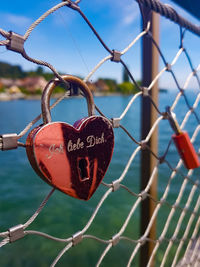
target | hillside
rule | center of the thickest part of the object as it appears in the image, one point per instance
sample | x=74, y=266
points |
x=16, y=72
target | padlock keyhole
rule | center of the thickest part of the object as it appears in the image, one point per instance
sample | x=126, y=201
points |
x=83, y=169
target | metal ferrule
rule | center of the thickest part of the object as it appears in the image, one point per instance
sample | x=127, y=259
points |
x=8, y=141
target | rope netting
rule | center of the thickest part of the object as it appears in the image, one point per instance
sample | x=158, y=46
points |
x=178, y=228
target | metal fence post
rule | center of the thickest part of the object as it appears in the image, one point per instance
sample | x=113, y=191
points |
x=150, y=60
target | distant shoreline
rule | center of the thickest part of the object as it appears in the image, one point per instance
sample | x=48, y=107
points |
x=7, y=97
x=19, y=96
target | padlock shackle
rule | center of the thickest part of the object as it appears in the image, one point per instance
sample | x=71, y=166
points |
x=172, y=120
x=46, y=114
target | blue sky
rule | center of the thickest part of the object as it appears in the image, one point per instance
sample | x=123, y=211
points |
x=65, y=41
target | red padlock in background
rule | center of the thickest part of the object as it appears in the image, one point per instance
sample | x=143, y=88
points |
x=183, y=144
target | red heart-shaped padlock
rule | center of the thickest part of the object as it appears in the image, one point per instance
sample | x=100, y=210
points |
x=74, y=159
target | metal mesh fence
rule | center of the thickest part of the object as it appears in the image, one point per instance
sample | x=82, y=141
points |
x=177, y=206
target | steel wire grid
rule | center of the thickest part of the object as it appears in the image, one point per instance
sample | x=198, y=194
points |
x=189, y=209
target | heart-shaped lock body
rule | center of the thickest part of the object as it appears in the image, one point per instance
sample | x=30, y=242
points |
x=73, y=159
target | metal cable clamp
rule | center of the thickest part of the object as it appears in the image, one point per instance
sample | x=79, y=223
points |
x=8, y=141
x=16, y=232
x=116, y=56
x=115, y=122
x=77, y=238
x=16, y=42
